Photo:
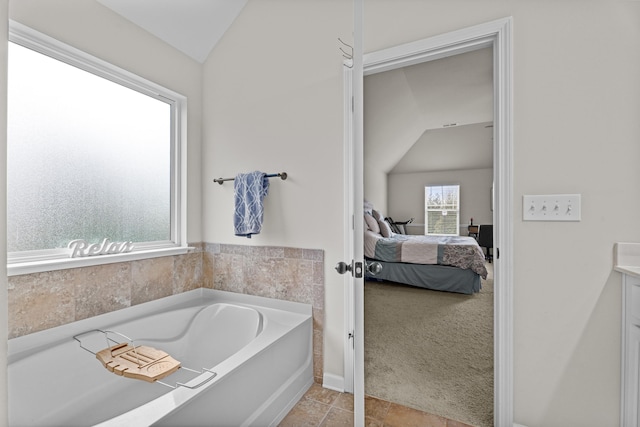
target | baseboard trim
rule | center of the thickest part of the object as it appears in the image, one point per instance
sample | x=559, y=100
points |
x=333, y=382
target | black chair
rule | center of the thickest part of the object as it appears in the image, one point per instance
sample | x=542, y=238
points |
x=485, y=240
x=398, y=227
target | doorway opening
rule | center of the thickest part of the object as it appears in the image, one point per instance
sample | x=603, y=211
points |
x=429, y=126
x=495, y=35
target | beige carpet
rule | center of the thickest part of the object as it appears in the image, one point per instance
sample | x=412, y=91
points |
x=431, y=350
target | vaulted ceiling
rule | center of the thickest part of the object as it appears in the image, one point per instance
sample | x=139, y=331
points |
x=191, y=26
x=432, y=116
x=426, y=117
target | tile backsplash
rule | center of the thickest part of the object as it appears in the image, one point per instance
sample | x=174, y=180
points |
x=291, y=274
x=44, y=300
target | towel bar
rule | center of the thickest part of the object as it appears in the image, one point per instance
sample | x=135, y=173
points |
x=282, y=175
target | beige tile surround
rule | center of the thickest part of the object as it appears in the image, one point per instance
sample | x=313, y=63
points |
x=44, y=300
x=291, y=274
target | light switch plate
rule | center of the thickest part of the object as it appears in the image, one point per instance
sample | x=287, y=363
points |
x=551, y=207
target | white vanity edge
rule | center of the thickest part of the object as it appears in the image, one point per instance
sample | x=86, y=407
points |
x=626, y=258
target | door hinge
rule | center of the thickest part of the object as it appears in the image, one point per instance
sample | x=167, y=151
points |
x=353, y=102
x=353, y=341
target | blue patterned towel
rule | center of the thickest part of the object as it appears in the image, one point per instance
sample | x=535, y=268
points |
x=249, y=191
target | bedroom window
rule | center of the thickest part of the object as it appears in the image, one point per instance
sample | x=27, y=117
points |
x=442, y=210
x=93, y=156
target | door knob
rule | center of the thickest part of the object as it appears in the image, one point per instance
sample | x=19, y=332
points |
x=343, y=267
x=374, y=267
x=354, y=268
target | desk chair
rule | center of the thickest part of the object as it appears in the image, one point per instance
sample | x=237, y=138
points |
x=485, y=240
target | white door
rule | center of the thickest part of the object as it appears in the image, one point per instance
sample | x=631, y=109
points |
x=353, y=264
x=352, y=267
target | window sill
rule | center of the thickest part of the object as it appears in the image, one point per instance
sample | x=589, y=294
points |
x=19, y=268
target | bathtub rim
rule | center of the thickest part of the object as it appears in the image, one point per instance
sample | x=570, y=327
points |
x=25, y=345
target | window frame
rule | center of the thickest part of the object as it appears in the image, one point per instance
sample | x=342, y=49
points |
x=426, y=209
x=26, y=262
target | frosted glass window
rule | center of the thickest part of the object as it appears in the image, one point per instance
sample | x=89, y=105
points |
x=87, y=158
x=442, y=210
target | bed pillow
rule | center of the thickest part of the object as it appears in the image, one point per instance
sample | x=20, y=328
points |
x=377, y=215
x=368, y=207
x=385, y=228
x=372, y=223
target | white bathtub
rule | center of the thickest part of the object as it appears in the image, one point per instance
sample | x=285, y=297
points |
x=257, y=353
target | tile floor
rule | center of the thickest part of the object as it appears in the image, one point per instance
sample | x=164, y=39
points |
x=321, y=407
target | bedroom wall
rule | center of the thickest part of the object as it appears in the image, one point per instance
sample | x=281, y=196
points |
x=406, y=196
x=393, y=122
x=404, y=113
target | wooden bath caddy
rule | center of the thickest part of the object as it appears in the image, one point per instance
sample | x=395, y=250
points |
x=138, y=362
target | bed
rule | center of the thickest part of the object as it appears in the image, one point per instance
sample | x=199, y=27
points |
x=443, y=263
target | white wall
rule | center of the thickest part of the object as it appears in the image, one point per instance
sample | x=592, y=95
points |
x=577, y=99
x=95, y=29
x=406, y=196
x=273, y=102
x=393, y=122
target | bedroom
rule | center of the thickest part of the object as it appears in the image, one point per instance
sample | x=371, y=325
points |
x=430, y=124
